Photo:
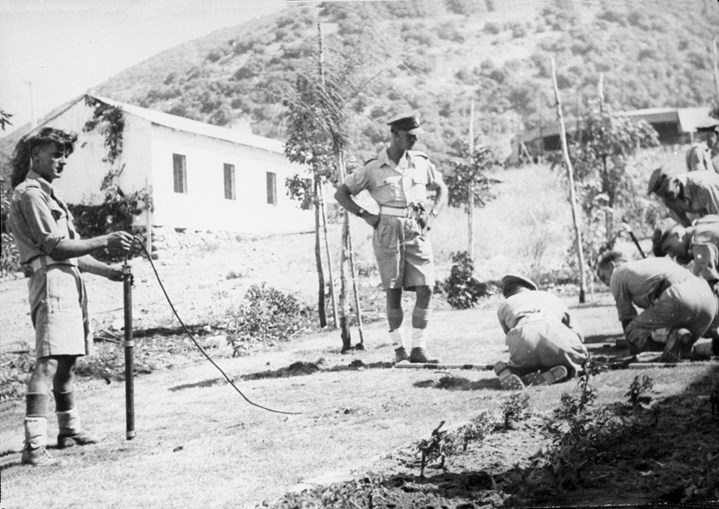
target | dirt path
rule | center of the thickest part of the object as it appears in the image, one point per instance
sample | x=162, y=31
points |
x=199, y=444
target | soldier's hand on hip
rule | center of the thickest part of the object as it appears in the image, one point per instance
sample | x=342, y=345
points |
x=371, y=219
x=119, y=241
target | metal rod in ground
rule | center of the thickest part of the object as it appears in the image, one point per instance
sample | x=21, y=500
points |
x=435, y=365
x=692, y=364
x=129, y=354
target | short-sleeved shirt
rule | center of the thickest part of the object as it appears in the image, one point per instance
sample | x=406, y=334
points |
x=38, y=219
x=523, y=305
x=704, y=244
x=395, y=185
x=701, y=192
x=640, y=282
x=699, y=158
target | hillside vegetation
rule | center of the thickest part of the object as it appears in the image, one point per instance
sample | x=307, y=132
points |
x=435, y=56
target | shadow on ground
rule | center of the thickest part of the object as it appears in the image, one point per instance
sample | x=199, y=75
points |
x=661, y=452
x=299, y=368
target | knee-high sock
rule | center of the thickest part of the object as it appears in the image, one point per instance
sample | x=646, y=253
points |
x=420, y=317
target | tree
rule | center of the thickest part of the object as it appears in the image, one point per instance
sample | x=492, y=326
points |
x=4, y=119
x=308, y=144
x=468, y=184
x=604, y=154
x=317, y=134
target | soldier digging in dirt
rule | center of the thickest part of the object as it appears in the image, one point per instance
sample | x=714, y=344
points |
x=688, y=196
x=398, y=179
x=678, y=307
x=696, y=246
x=545, y=346
x=51, y=248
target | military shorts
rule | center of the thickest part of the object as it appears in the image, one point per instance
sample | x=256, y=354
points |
x=403, y=253
x=58, y=307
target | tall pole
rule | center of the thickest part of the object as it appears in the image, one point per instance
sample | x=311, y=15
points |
x=347, y=256
x=572, y=197
x=470, y=200
x=33, y=118
x=129, y=345
x=716, y=68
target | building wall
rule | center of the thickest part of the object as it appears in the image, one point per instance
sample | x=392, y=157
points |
x=147, y=160
x=204, y=206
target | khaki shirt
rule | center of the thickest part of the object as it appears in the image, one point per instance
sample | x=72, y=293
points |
x=640, y=282
x=705, y=247
x=534, y=303
x=701, y=194
x=38, y=219
x=699, y=158
x=395, y=185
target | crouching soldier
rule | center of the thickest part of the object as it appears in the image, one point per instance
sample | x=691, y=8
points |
x=678, y=307
x=696, y=246
x=544, y=344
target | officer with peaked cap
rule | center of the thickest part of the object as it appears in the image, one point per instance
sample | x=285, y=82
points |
x=398, y=180
x=545, y=345
x=688, y=196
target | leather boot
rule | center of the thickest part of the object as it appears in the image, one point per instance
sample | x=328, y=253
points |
x=34, y=452
x=71, y=432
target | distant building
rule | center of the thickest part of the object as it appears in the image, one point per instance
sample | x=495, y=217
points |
x=200, y=177
x=675, y=126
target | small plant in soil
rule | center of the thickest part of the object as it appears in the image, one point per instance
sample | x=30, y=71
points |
x=637, y=388
x=514, y=408
x=436, y=447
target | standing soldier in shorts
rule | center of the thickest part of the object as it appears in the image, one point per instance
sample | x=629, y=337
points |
x=49, y=245
x=398, y=179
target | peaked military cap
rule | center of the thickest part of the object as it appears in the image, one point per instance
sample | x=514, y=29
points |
x=516, y=279
x=406, y=122
x=657, y=179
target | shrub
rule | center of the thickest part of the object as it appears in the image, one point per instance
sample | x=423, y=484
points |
x=514, y=408
x=463, y=290
x=266, y=315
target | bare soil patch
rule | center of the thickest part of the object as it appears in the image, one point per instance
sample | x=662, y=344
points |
x=199, y=444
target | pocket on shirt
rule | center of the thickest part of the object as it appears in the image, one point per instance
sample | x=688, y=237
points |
x=389, y=189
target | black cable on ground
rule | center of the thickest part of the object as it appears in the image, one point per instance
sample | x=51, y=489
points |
x=202, y=350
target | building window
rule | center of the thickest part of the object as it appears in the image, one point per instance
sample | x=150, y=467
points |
x=271, y=188
x=179, y=172
x=230, y=182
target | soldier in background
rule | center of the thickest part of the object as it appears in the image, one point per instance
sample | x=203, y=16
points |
x=699, y=155
x=398, y=180
x=688, y=196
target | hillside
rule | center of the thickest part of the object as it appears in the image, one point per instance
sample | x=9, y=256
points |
x=435, y=56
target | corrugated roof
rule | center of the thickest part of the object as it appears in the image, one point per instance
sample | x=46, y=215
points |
x=196, y=127
x=688, y=120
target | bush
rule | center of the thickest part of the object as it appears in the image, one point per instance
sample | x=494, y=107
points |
x=463, y=290
x=266, y=315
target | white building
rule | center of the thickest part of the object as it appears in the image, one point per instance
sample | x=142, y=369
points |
x=200, y=177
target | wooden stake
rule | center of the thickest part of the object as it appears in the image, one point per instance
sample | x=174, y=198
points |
x=470, y=200
x=716, y=68
x=572, y=198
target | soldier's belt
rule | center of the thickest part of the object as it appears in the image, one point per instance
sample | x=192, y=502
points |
x=397, y=211
x=43, y=262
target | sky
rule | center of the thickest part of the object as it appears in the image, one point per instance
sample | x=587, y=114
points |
x=52, y=51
